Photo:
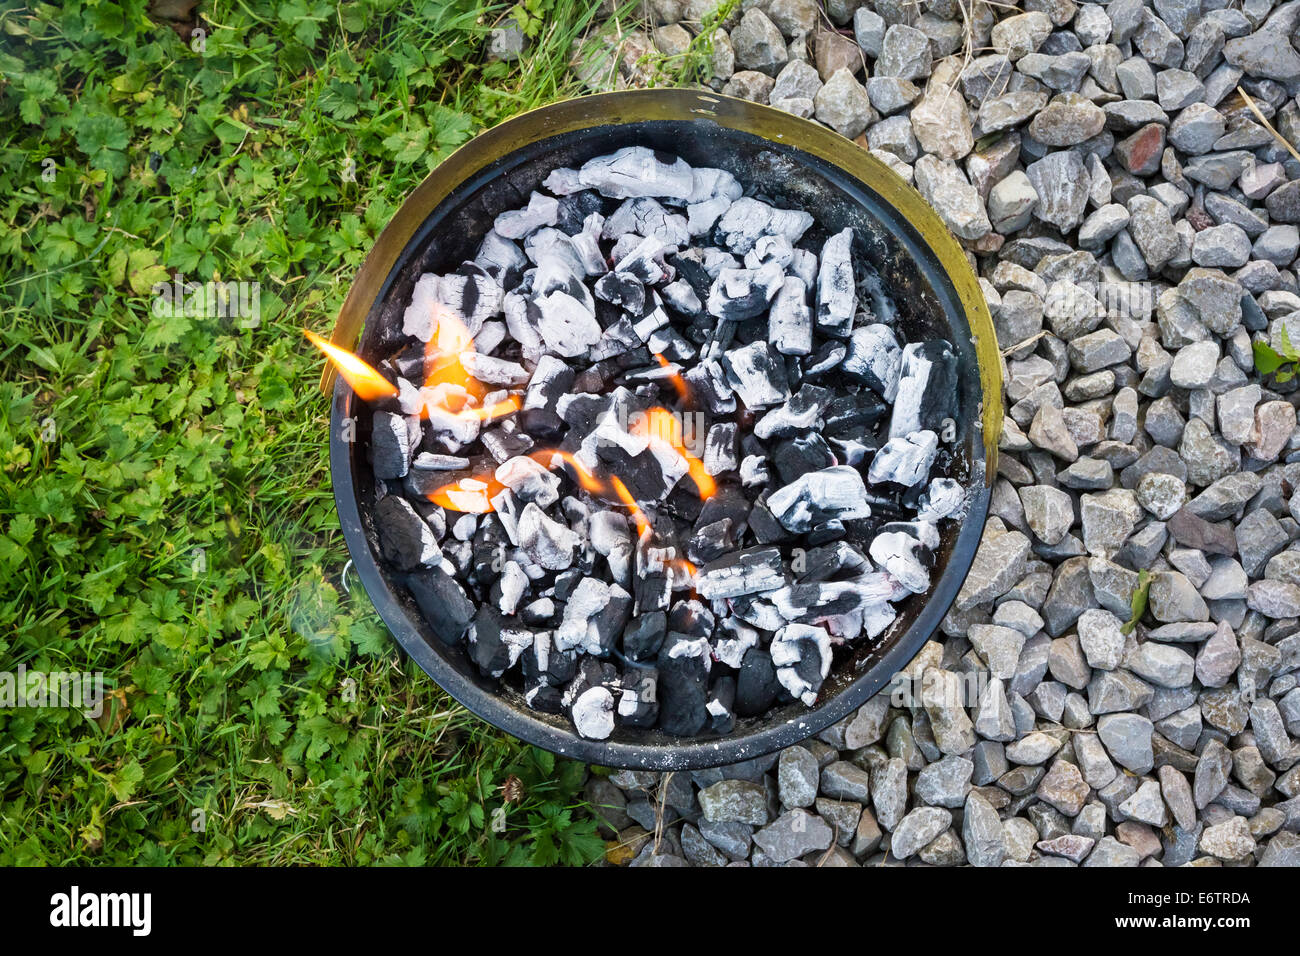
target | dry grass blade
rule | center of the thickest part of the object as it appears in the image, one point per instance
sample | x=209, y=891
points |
x=1266, y=124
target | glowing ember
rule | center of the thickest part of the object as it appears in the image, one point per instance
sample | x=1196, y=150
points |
x=364, y=379
x=473, y=495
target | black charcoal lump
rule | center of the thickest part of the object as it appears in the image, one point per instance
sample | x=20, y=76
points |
x=800, y=502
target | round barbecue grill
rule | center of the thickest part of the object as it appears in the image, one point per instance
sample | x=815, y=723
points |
x=799, y=164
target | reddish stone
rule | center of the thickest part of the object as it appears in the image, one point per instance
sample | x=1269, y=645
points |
x=1140, y=153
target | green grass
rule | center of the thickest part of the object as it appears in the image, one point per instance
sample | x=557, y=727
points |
x=165, y=509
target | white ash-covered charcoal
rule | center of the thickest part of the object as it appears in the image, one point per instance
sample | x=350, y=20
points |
x=429, y=461
x=927, y=388
x=622, y=288
x=594, y=617
x=803, y=266
x=905, y=460
x=832, y=560
x=904, y=549
x=802, y=656
x=612, y=540
x=683, y=666
x=709, y=388
x=554, y=273
x=463, y=528
x=646, y=260
x=529, y=481
x=754, y=471
x=563, y=181
x=575, y=211
x=505, y=440
x=523, y=317
x=945, y=498
x=512, y=585
x=701, y=217
x=749, y=571
x=442, y=602
x=720, y=448
x=638, y=698
x=541, y=211
x=491, y=335
x=549, y=241
x=638, y=171
x=450, y=430
x=551, y=379
x=747, y=219
x=731, y=641
x=681, y=297
x=652, y=319
x=770, y=249
x=710, y=183
x=800, y=415
x=496, y=641
x=824, y=358
x=618, y=339
x=835, y=493
x=790, y=320
x=491, y=370
x=671, y=344
x=647, y=217
x=545, y=540
x=593, y=713
x=813, y=600
x=470, y=298
x=875, y=359
x=391, y=449
x=501, y=258
x=721, y=706
x=757, y=374
x=800, y=455
x=566, y=325
x=837, y=298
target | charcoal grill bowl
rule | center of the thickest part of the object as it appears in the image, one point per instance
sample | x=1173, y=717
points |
x=795, y=160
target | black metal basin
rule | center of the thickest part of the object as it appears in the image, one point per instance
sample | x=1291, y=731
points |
x=797, y=163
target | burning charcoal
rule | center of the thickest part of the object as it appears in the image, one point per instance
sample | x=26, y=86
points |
x=927, y=388
x=404, y=538
x=814, y=600
x=552, y=242
x=495, y=643
x=409, y=399
x=790, y=323
x=720, y=448
x=670, y=344
x=541, y=611
x=764, y=526
x=754, y=472
x=566, y=326
x=646, y=217
x=463, y=528
x=618, y=339
x=645, y=261
x=832, y=493
x=837, y=299
x=586, y=245
x=732, y=641
x=874, y=358
x=612, y=541
x=749, y=571
x=744, y=222
x=683, y=687
x=546, y=541
x=593, y=713
x=574, y=209
x=517, y=223
x=493, y=371
x=757, y=686
x=442, y=602
x=638, y=171
x=450, y=429
x=681, y=297
x=563, y=181
x=770, y=249
x=903, y=549
x=469, y=299
x=691, y=619
x=802, y=655
x=622, y=288
x=390, y=445
x=491, y=336
x=709, y=183
x=803, y=266
x=530, y=481
x=638, y=702
x=712, y=541
x=709, y=388
x=800, y=415
x=757, y=374
x=945, y=498
x=828, y=356
x=904, y=460
x=852, y=414
x=645, y=635
x=739, y=294
x=800, y=455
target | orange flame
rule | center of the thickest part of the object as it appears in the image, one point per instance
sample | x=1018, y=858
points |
x=473, y=499
x=662, y=424
x=499, y=409
x=442, y=355
x=679, y=383
x=638, y=515
x=364, y=379
x=546, y=458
